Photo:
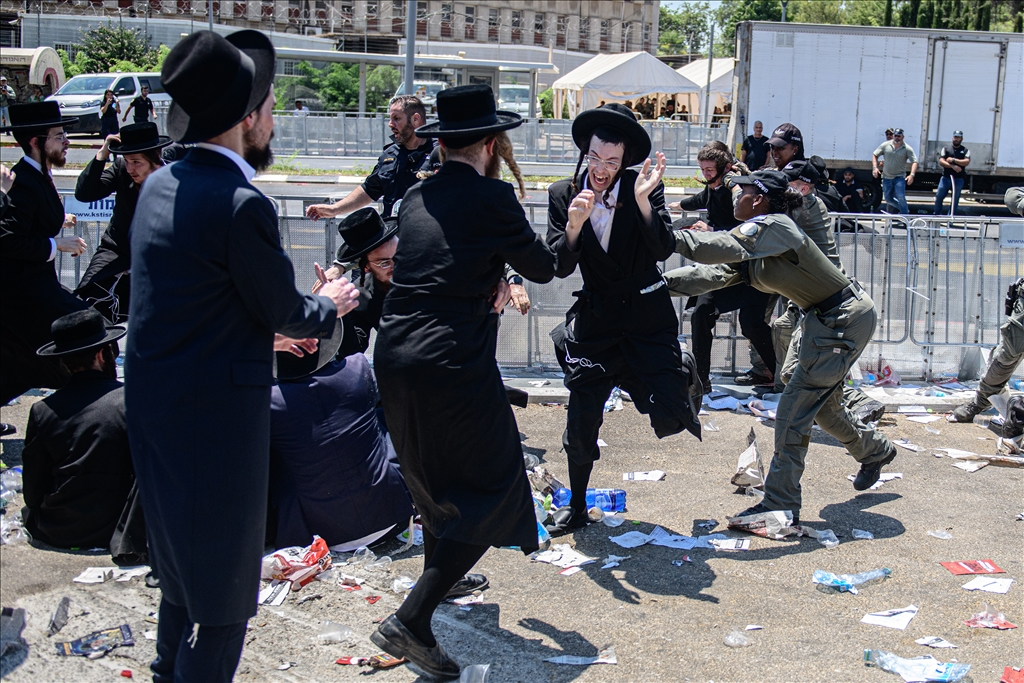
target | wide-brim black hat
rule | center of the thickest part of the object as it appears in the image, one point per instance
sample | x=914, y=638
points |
x=80, y=331
x=37, y=115
x=288, y=366
x=363, y=231
x=139, y=137
x=216, y=82
x=468, y=111
x=620, y=118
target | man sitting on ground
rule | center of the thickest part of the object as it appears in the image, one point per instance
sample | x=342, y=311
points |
x=78, y=475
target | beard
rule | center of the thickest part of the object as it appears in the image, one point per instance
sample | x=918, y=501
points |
x=260, y=158
x=56, y=158
x=109, y=361
x=405, y=134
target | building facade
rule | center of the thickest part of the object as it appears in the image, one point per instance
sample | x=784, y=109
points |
x=587, y=26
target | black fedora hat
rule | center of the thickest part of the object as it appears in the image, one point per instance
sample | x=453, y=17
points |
x=139, y=137
x=363, y=231
x=468, y=111
x=216, y=82
x=288, y=366
x=80, y=331
x=37, y=115
x=620, y=118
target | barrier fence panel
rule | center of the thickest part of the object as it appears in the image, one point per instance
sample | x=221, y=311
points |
x=938, y=287
x=959, y=274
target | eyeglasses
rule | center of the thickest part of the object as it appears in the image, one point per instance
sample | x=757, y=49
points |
x=596, y=163
x=62, y=136
x=384, y=264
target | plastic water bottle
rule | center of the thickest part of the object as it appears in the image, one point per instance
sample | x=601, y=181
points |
x=917, y=669
x=1017, y=384
x=831, y=583
x=560, y=498
x=607, y=500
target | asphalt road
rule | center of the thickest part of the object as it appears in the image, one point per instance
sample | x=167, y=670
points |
x=666, y=622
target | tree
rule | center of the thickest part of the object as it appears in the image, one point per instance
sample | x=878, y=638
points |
x=381, y=84
x=336, y=85
x=685, y=30
x=732, y=12
x=105, y=46
x=72, y=68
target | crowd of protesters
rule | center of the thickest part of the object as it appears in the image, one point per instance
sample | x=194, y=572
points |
x=291, y=433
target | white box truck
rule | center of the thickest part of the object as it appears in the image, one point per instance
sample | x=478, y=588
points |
x=844, y=85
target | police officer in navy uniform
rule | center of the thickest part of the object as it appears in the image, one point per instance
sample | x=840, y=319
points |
x=396, y=168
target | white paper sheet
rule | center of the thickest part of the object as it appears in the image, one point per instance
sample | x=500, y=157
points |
x=988, y=584
x=562, y=555
x=653, y=475
x=893, y=618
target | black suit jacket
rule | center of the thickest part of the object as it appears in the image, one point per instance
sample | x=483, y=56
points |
x=95, y=183
x=78, y=468
x=210, y=286
x=31, y=296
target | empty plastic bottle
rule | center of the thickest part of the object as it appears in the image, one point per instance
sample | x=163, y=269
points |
x=831, y=583
x=916, y=669
x=11, y=479
x=614, y=401
x=608, y=500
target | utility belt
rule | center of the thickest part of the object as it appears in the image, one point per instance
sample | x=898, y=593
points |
x=446, y=304
x=850, y=291
x=1013, y=293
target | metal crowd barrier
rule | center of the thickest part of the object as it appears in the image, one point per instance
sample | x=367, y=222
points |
x=937, y=283
x=536, y=141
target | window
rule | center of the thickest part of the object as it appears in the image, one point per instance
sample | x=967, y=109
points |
x=446, y=20
x=294, y=11
x=371, y=15
x=605, y=30
x=561, y=29
x=493, y=26
x=398, y=18
x=421, y=18
x=125, y=86
x=517, y=27
x=153, y=83
x=470, y=15
x=288, y=67
x=584, y=33
x=538, y=28
x=70, y=48
x=647, y=37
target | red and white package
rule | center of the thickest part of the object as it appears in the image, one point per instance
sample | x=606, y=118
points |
x=888, y=377
x=298, y=565
x=972, y=567
x=989, y=618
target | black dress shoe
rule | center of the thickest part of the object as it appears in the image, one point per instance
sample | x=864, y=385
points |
x=566, y=519
x=467, y=585
x=394, y=638
x=7, y=429
x=869, y=474
x=760, y=509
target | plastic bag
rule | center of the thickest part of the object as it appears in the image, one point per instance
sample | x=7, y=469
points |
x=298, y=565
x=988, y=618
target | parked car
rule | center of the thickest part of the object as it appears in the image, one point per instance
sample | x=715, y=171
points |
x=516, y=98
x=426, y=91
x=82, y=96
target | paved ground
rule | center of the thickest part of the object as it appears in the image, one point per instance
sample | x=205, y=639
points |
x=666, y=623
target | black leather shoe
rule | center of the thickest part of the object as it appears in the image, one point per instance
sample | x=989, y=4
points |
x=564, y=520
x=760, y=509
x=7, y=429
x=751, y=378
x=869, y=474
x=467, y=585
x=394, y=638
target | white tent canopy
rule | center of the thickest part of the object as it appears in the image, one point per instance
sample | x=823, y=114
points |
x=616, y=78
x=721, y=74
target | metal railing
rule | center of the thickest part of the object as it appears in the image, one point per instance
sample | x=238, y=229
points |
x=937, y=284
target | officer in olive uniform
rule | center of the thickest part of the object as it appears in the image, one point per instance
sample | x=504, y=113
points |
x=1005, y=358
x=397, y=168
x=839, y=321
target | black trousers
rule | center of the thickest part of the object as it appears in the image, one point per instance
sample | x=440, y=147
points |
x=185, y=655
x=751, y=304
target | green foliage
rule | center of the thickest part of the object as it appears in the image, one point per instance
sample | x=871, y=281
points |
x=123, y=66
x=381, y=84
x=105, y=46
x=684, y=30
x=732, y=12
x=72, y=68
x=161, y=55
x=547, y=105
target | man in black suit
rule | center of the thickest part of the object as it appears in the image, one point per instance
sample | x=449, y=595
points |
x=78, y=467
x=211, y=286
x=31, y=296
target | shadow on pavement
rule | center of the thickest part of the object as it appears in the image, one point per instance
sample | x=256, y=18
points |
x=650, y=569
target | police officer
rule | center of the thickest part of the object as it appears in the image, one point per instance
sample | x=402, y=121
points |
x=839, y=321
x=1010, y=351
x=396, y=168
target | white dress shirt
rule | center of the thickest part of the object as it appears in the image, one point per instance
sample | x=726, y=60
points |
x=601, y=216
x=248, y=171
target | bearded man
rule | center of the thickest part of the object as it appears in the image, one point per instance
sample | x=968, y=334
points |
x=210, y=287
x=32, y=296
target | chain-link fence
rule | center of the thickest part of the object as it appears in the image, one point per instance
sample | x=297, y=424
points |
x=938, y=287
